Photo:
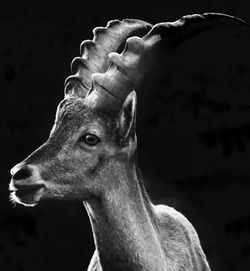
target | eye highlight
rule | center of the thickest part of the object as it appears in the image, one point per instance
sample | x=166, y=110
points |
x=89, y=139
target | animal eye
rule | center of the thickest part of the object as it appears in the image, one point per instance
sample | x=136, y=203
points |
x=90, y=139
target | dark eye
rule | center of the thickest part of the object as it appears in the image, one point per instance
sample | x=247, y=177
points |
x=90, y=139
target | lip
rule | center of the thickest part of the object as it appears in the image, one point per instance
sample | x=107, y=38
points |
x=27, y=195
x=30, y=187
x=25, y=190
x=24, y=186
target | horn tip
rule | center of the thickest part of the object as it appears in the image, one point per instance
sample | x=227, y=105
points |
x=217, y=16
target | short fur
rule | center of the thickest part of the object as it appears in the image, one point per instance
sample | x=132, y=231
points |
x=130, y=233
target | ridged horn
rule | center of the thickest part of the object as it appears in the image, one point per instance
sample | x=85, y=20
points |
x=141, y=55
x=94, y=53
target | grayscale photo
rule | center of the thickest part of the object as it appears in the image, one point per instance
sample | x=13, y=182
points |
x=125, y=136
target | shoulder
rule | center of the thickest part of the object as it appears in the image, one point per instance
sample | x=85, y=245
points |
x=180, y=238
x=170, y=217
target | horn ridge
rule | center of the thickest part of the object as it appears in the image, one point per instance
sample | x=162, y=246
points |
x=74, y=86
x=112, y=23
x=78, y=61
x=87, y=46
x=94, y=53
x=141, y=55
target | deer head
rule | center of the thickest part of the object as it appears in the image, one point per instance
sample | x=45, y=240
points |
x=93, y=140
x=82, y=136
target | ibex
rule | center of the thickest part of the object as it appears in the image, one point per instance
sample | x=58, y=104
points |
x=90, y=155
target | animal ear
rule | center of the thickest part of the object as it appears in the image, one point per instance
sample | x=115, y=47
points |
x=128, y=118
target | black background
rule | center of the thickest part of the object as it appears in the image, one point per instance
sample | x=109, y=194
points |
x=193, y=127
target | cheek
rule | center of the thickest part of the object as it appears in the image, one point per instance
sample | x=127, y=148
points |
x=94, y=168
x=61, y=167
x=68, y=168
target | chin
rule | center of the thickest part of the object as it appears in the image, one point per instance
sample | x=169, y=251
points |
x=26, y=198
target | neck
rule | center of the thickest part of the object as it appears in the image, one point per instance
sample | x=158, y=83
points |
x=124, y=227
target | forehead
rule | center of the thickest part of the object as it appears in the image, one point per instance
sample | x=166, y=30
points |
x=74, y=112
x=70, y=108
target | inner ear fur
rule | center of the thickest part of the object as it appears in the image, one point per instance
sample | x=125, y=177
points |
x=127, y=118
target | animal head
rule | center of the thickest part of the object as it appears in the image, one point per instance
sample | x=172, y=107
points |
x=93, y=141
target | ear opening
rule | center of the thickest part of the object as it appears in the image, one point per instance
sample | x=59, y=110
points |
x=127, y=120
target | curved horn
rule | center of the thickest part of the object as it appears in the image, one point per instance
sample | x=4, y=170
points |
x=142, y=54
x=94, y=53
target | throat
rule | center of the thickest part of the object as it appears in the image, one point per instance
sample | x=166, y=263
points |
x=125, y=233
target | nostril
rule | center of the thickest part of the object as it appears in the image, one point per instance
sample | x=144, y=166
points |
x=23, y=173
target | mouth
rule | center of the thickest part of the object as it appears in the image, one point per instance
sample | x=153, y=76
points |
x=27, y=195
